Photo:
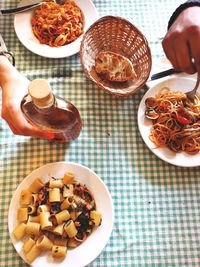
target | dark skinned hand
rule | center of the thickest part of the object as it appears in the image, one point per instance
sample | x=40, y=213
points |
x=182, y=41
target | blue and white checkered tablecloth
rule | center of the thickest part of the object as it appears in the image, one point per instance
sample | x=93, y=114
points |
x=157, y=214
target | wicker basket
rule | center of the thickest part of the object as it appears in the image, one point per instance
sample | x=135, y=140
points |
x=117, y=35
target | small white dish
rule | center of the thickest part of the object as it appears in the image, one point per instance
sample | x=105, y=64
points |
x=94, y=244
x=181, y=159
x=23, y=29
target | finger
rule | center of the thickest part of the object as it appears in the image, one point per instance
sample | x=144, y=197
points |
x=178, y=51
x=20, y=126
x=184, y=57
x=168, y=47
x=25, y=127
x=195, y=49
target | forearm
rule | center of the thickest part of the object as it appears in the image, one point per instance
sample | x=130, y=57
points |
x=187, y=4
x=6, y=70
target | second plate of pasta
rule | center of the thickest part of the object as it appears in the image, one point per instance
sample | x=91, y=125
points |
x=57, y=27
x=179, y=158
x=28, y=240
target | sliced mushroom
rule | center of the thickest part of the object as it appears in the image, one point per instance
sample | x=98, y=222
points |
x=151, y=102
x=151, y=114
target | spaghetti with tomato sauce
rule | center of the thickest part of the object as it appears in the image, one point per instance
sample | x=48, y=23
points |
x=175, y=119
x=57, y=25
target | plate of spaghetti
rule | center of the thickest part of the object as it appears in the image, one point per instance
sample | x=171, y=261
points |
x=52, y=30
x=169, y=123
x=61, y=214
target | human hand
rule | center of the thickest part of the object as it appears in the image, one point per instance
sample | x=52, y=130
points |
x=181, y=43
x=13, y=90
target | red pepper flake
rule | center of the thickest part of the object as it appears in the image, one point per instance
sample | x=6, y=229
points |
x=182, y=120
x=183, y=116
x=88, y=206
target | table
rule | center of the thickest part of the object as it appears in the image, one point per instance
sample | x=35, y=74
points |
x=157, y=214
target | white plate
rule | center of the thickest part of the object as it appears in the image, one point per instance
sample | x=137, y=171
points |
x=23, y=29
x=94, y=244
x=179, y=159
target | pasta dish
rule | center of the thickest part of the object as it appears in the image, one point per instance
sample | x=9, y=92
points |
x=55, y=216
x=57, y=25
x=175, y=119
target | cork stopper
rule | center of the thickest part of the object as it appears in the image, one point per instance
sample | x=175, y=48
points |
x=40, y=92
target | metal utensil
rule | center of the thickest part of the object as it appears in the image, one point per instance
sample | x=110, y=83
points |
x=20, y=9
x=191, y=94
x=163, y=74
x=4, y=50
x=3, y=46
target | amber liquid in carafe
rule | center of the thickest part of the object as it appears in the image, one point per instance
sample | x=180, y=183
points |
x=60, y=120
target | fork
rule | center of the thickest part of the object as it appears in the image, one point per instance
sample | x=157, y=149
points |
x=191, y=94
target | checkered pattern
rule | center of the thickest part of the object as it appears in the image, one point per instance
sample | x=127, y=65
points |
x=157, y=214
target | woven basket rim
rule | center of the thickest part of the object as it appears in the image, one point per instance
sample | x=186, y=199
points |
x=104, y=18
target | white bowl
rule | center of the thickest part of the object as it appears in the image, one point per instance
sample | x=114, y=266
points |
x=94, y=244
x=23, y=29
x=181, y=159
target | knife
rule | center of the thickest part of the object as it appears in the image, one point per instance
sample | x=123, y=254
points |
x=163, y=74
x=18, y=9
